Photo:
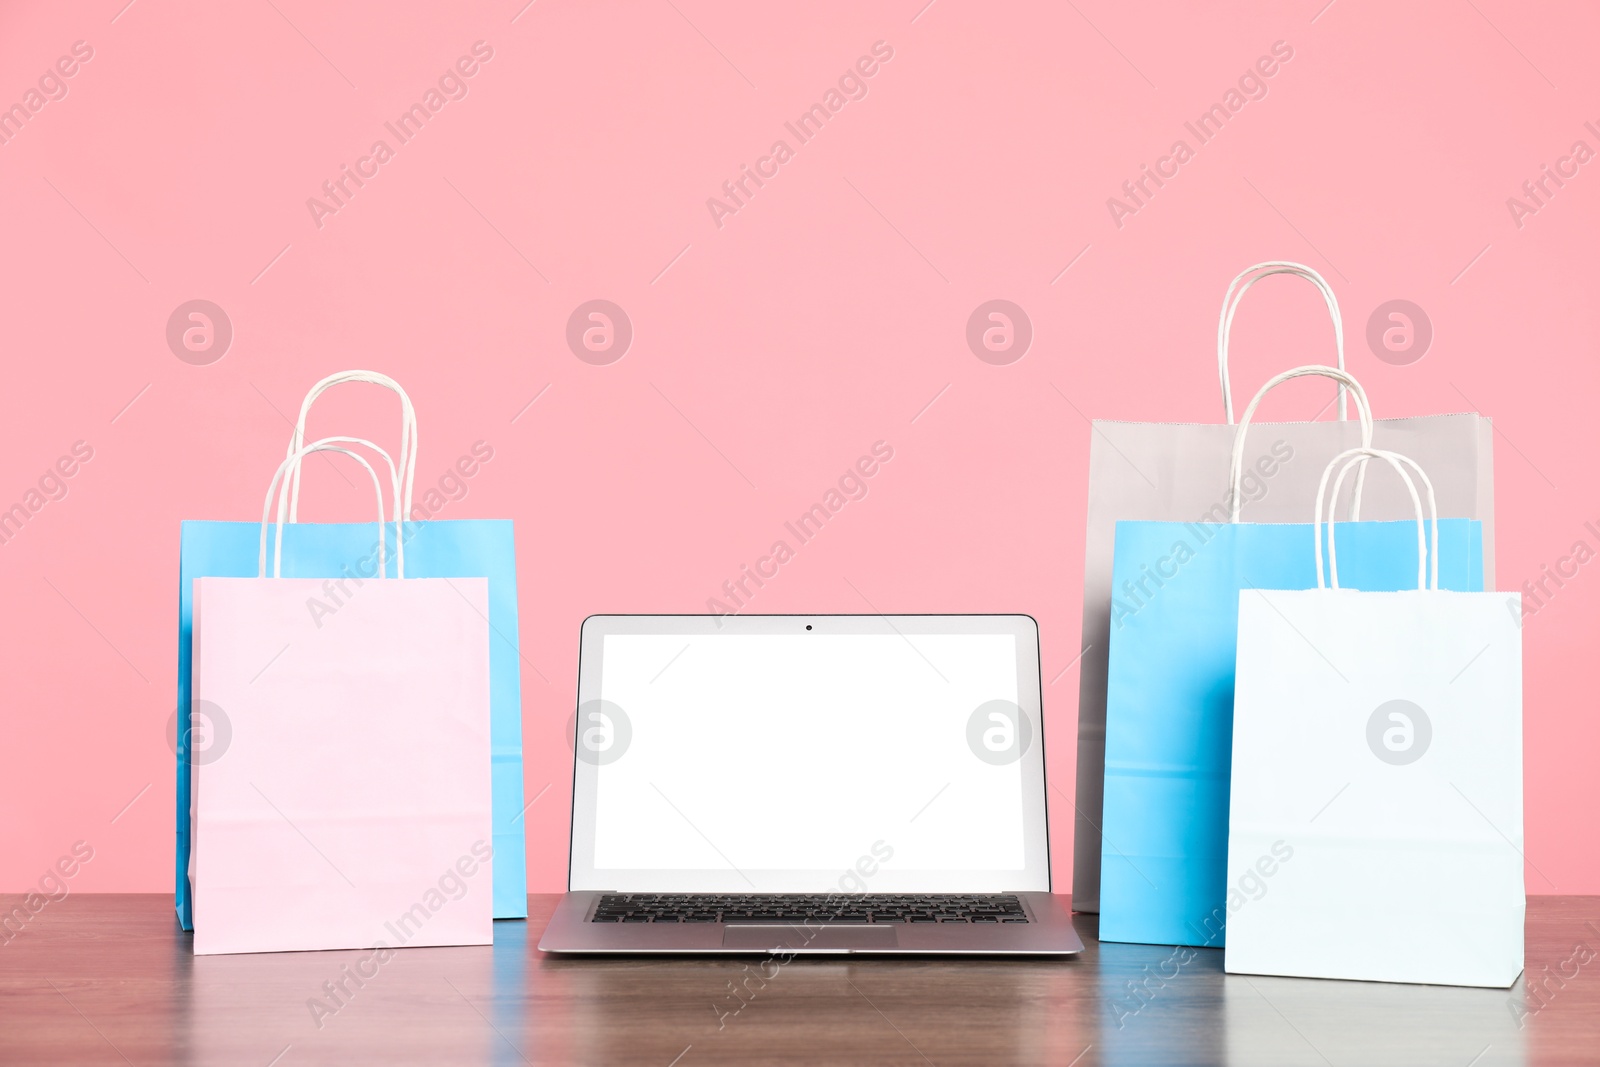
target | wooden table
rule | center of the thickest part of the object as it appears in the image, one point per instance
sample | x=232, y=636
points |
x=111, y=980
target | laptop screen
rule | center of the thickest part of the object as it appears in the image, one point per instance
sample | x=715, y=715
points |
x=864, y=754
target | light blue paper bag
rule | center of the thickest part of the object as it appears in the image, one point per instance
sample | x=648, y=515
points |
x=343, y=553
x=1169, y=701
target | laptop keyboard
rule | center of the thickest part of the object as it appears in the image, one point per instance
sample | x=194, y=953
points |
x=802, y=907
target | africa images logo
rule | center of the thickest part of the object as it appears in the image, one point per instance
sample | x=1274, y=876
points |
x=999, y=732
x=600, y=732
x=1399, y=332
x=199, y=332
x=1399, y=732
x=999, y=332
x=599, y=332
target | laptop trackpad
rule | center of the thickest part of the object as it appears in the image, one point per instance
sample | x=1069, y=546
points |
x=836, y=938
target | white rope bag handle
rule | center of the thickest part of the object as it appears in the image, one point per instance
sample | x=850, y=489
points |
x=286, y=468
x=394, y=493
x=1230, y=306
x=1363, y=411
x=408, y=438
x=1358, y=457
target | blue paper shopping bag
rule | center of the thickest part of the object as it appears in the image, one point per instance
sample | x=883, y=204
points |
x=1169, y=694
x=345, y=554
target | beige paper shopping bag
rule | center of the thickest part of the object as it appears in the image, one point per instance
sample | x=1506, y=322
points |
x=1179, y=472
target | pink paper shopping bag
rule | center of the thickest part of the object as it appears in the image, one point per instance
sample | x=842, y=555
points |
x=349, y=806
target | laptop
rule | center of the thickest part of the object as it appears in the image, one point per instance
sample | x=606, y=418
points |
x=829, y=784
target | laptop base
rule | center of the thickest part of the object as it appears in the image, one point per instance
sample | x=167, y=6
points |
x=1048, y=932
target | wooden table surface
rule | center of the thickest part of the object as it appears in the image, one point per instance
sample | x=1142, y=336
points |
x=111, y=980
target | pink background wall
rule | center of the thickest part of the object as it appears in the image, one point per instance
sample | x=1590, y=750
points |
x=768, y=352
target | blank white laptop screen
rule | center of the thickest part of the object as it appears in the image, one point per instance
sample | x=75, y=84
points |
x=777, y=761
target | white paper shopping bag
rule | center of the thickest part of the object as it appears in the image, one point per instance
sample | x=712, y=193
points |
x=350, y=806
x=1375, y=825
